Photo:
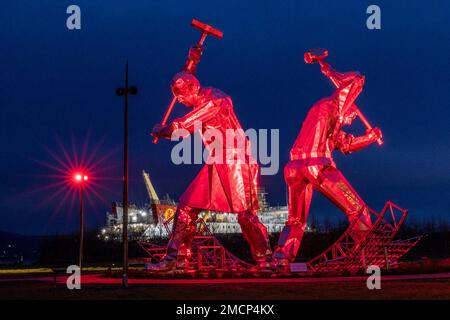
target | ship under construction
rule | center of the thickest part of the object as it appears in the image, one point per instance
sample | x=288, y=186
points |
x=153, y=220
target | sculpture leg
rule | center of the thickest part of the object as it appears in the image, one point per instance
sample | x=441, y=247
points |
x=256, y=235
x=338, y=190
x=180, y=244
x=300, y=194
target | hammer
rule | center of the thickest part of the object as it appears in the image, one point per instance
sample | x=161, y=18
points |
x=206, y=30
x=316, y=55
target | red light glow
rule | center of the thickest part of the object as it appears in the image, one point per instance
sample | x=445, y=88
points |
x=67, y=169
x=80, y=178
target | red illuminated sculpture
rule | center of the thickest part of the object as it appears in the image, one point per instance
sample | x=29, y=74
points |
x=227, y=186
x=312, y=167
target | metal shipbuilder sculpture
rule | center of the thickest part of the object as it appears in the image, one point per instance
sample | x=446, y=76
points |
x=229, y=185
x=311, y=166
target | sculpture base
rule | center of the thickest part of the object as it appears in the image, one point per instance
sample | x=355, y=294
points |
x=346, y=256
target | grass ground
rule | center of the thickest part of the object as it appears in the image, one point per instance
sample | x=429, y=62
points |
x=20, y=284
x=411, y=289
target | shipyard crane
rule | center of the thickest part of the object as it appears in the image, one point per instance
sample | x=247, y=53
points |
x=150, y=189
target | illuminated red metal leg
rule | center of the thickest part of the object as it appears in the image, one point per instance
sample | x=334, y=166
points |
x=256, y=235
x=184, y=228
x=179, y=248
x=332, y=184
x=300, y=194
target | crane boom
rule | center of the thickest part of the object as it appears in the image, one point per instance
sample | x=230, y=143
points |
x=150, y=189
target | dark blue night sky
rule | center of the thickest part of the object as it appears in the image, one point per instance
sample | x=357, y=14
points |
x=58, y=84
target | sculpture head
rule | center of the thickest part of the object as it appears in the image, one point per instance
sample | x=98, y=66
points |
x=186, y=88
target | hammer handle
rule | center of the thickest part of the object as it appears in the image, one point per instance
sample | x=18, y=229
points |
x=199, y=43
x=366, y=123
x=166, y=116
x=174, y=99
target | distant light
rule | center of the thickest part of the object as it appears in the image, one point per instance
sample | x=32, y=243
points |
x=79, y=177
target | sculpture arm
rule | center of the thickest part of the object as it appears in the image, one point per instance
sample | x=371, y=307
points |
x=336, y=77
x=195, y=53
x=347, y=143
x=202, y=115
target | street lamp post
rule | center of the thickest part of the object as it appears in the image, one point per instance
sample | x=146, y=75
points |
x=124, y=92
x=80, y=257
x=79, y=180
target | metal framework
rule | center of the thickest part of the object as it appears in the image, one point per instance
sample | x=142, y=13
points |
x=345, y=255
x=208, y=254
x=378, y=248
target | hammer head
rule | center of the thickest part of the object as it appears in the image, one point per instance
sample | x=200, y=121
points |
x=205, y=28
x=315, y=55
